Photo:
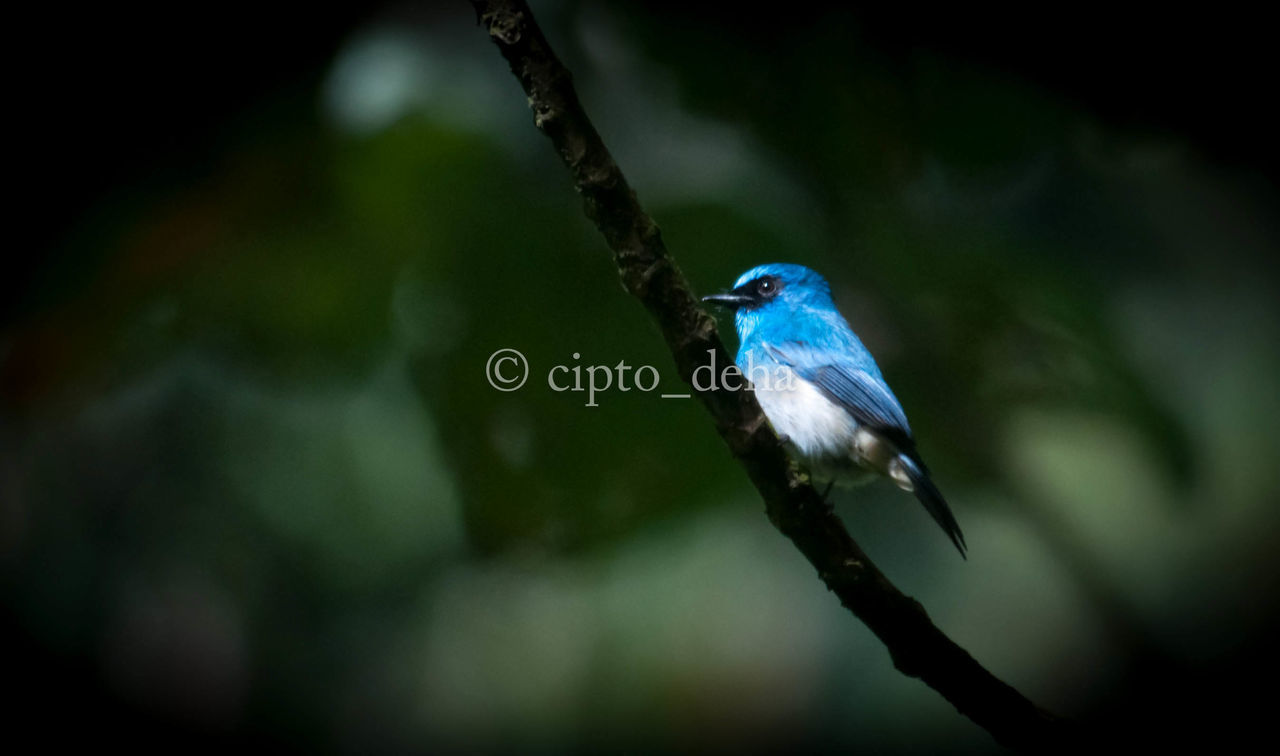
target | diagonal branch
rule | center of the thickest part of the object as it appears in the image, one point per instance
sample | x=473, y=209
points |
x=918, y=648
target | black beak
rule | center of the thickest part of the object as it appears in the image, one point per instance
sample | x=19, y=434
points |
x=730, y=300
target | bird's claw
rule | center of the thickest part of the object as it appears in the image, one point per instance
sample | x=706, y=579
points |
x=827, y=491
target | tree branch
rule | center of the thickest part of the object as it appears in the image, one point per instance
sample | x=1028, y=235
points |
x=918, y=648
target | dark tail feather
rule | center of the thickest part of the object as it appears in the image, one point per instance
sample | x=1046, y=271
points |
x=931, y=498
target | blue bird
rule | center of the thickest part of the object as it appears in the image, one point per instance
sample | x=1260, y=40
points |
x=821, y=389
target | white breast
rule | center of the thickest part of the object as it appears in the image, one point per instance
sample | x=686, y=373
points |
x=817, y=426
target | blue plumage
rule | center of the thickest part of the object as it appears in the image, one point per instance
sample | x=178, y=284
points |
x=820, y=387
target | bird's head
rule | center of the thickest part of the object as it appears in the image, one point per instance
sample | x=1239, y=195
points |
x=776, y=295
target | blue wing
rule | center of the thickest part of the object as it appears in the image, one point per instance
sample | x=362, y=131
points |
x=867, y=398
x=862, y=394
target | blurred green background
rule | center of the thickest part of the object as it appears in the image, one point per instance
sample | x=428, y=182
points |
x=255, y=487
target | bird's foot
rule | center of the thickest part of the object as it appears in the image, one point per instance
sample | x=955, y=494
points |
x=826, y=492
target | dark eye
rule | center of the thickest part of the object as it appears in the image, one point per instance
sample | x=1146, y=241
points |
x=767, y=287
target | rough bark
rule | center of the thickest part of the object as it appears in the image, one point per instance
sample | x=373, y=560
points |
x=918, y=648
